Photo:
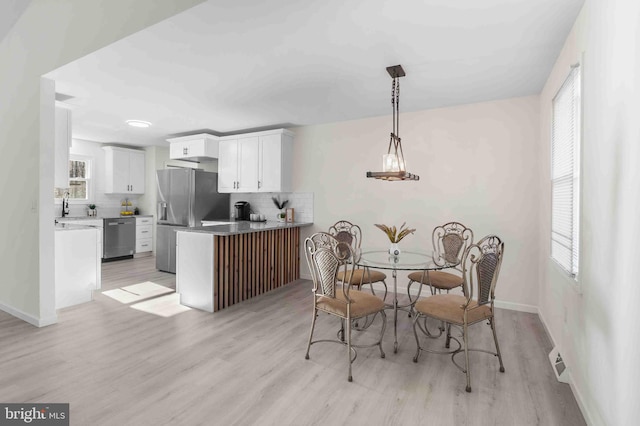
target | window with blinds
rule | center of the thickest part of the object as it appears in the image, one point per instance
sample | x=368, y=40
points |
x=565, y=173
x=78, y=181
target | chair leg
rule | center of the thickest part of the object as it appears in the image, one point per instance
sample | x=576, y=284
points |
x=383, y=315
x=372, y=290
x=492, y=322
x=448, y=341
x=411, y=301
x=341, y=331
x=348, y=321
x=415, y=333
x=466, y=355
x=313, y=324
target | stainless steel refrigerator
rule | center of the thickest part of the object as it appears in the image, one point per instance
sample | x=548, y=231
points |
x=185, y=197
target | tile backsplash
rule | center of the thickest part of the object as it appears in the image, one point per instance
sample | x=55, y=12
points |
x=301, y=202
x=107, y=205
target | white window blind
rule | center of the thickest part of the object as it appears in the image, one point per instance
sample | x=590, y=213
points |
x=565, y=173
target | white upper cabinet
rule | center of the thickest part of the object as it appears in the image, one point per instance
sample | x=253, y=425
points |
x=228, y=165
x=276, y=152
x=238, y=164
x=124, y=170
x=200, y=148
x=256, y=162
x=248, y=152
x=62, y=145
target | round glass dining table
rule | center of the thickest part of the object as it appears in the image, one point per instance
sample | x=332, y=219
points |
x=405, y=261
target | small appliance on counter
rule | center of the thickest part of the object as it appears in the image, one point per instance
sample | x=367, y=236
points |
x=243, y=210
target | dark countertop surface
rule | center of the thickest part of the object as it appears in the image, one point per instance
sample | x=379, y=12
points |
x=244, y=227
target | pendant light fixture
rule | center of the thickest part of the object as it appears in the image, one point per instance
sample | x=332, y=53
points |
x=394, y=167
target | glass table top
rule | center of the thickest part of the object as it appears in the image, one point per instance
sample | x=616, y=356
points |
x=405, y=261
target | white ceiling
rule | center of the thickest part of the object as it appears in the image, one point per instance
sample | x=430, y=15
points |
x=232, y=66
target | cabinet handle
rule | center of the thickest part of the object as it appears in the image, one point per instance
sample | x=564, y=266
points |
x=185, y=151
x=259, y=184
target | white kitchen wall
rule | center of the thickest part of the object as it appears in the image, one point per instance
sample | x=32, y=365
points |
x=301, y=202
x=27, y=129
x=595, y=323
x=108, y=205
x=478, y=164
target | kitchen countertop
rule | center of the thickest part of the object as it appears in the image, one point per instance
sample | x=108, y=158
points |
x=60, y=218
x=244, y=227
x=72, y=227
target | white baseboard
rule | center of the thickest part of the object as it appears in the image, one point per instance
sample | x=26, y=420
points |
x=38, y=322
x=520, y=307
x=574, y=389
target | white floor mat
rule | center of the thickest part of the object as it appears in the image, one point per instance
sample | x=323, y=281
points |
x=165, y=306
x=137, y=292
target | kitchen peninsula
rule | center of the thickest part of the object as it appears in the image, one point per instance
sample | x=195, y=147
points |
x=221, y=265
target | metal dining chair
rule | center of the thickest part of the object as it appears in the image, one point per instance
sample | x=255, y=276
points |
x=351, y=234
x=480, y=268
x=326, y=257
x=449, y=243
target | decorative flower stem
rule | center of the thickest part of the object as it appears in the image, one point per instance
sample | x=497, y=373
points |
x=393, y=234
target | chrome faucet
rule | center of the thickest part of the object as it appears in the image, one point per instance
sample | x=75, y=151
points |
x=65, y=204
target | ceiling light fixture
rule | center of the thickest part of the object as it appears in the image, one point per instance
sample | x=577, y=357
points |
x=394, y=166
x=138, y=123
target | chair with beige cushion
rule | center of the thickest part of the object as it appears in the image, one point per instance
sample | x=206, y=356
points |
x=327, y=257
x=480, y=267
x=351, y=234
x=449, y=243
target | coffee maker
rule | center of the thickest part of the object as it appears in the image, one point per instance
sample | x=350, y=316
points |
x=243, y=210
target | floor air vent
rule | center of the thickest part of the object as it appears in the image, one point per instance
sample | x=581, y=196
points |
x=559, y=367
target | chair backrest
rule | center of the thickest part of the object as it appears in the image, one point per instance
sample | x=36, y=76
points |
x=348, y=233
x=326, y=256
x=480, y=268
x=451, y=240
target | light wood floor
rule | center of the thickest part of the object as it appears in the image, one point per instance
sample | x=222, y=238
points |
x=245, y=365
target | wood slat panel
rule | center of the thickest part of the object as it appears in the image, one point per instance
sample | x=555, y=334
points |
x=248, y=265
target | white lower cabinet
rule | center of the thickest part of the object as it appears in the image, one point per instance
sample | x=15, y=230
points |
x=144, y=234
x=77, y=266
x=194, y=269
x=99, y=224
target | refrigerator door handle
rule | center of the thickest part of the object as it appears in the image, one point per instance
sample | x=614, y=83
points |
x=162, y=210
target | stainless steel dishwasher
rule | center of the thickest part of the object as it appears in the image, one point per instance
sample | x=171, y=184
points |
x=119, y=237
